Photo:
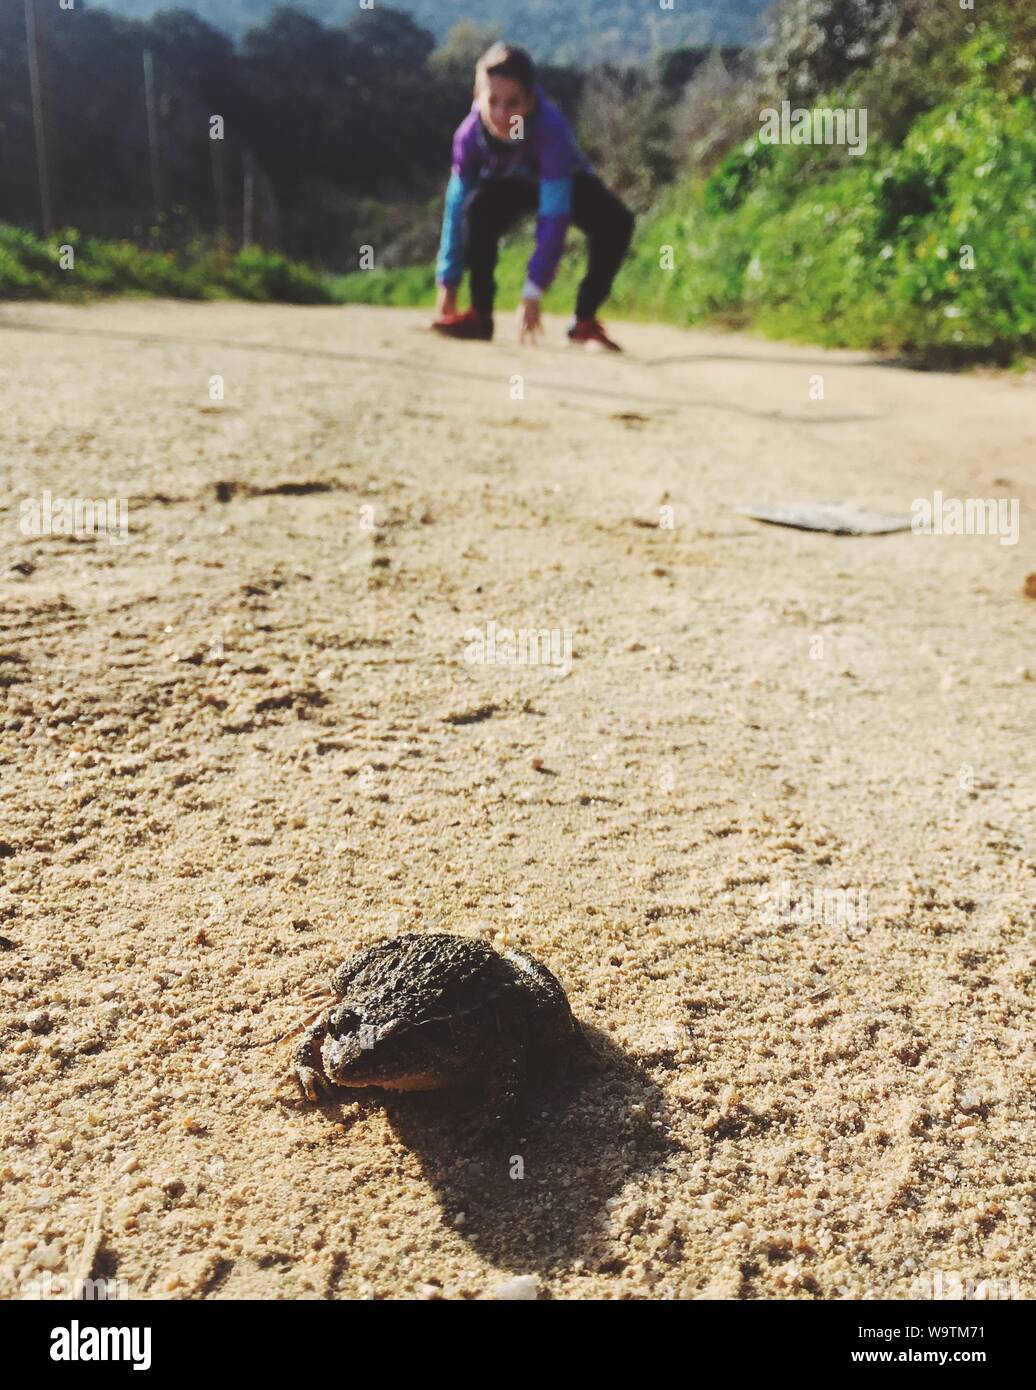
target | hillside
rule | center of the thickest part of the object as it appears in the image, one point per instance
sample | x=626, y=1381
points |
x=576, y=32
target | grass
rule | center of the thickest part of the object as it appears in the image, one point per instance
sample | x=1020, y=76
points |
x=69, y=267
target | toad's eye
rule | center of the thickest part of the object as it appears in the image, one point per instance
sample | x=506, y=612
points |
x=342, y=1021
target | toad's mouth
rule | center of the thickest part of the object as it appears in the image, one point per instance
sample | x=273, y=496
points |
x=408, y=1081
x=413, y=1081
x=350, y=1062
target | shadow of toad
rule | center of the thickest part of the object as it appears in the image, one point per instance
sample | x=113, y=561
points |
x=533, y=1195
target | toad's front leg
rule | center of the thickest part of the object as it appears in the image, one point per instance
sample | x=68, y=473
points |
x=308, y=1064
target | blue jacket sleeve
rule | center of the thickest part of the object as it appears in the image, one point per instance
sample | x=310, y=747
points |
x=449, y=268
x=558, y=160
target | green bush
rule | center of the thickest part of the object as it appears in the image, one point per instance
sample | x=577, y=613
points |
x=410, y=286
x=30, y=268
x=266, y=275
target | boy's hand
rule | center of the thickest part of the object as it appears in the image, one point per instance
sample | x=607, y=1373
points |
x=529, y=324
x=447, y=300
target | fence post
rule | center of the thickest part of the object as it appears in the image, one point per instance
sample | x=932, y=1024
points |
x=39, y=125
x=152, y=137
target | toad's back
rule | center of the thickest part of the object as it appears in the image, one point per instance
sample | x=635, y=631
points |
x=423, y=978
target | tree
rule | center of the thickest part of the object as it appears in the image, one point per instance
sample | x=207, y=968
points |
x=624, y=128
x=456, y=56
x=814, y=46
x=390, y=40
x=203, y=58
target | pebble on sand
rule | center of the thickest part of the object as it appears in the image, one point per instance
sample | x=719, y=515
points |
x=522, y=1287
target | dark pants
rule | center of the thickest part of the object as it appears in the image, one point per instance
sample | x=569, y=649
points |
x=495, y=206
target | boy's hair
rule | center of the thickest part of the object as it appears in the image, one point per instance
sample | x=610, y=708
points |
x=506, y=60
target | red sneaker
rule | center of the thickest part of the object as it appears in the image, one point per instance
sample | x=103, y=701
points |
x=586, y=331
x=470, y=324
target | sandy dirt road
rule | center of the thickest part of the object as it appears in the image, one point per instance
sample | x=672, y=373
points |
x=252, y=738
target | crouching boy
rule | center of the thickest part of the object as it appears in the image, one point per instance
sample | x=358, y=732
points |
x=515, y=154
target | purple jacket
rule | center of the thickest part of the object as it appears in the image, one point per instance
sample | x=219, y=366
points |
x=548, y=154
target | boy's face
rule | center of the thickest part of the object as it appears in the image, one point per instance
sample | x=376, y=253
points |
x=500, y=99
